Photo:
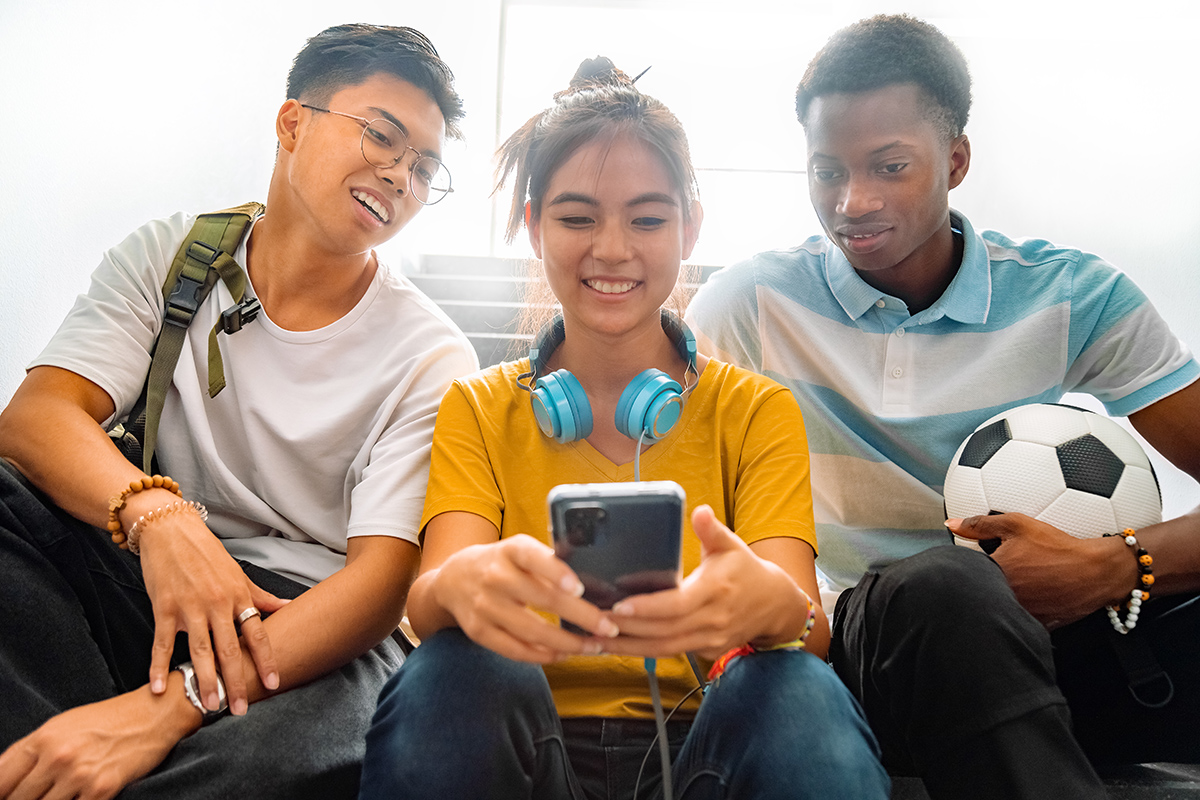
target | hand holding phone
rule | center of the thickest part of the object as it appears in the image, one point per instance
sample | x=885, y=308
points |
x=620, y=539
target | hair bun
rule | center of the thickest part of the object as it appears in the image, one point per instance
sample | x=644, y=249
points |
x=598, y=70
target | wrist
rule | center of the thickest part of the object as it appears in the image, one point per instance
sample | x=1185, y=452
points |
x=191, y=690
x=794, y=632
x=133, y=536
x=1120, y=571
x=1144, y=563
x=787, y=618
x=172, y=712
x=137, y=504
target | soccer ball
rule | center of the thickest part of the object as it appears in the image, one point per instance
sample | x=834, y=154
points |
x=1074, y=469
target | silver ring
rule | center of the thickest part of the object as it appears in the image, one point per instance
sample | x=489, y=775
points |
x=247, y=614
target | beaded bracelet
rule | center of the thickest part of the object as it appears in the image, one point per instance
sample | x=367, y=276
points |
x=1138, y=595
x=117, y=502
x=798, y=643
x=134, y=539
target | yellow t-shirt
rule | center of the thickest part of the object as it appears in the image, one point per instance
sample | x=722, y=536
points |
x=739, y=445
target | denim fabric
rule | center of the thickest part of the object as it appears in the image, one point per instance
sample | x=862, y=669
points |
x=461, y=721
x=964, y=688
x=77, y=628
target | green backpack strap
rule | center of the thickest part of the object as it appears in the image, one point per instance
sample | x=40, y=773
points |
x=202, y=259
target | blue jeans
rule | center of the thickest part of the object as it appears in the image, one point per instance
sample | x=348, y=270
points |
x=459, y=721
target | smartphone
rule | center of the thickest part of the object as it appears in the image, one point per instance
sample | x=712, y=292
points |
x=619, y=538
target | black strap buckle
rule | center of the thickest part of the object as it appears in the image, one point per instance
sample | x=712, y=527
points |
x=233, y=319
x=184, y=300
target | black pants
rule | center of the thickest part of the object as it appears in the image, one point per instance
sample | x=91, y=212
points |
x=76, y=627
x=967, y=690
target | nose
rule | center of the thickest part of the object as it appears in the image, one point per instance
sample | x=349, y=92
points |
x=400, y=186
x=611, y=244
x=402, y=170
x=858, y=198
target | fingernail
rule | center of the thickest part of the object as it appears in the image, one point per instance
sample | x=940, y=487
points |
x=212, y=702
x=623, y=609
x=593, y=648
x=158, y=686
x=608, y=628
x=572, y=586
x=272, y=681
x=953, y=523
x=238, y=708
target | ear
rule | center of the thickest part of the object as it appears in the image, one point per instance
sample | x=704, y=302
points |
x=960, y=159
x=287, y=124
x=691, y=230
x=533, y=226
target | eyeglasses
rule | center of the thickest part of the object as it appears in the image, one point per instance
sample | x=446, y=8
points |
x=384, y=146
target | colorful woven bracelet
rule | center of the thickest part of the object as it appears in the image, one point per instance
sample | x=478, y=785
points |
x=117, y=502
x=798, y=643
x=1138, y=595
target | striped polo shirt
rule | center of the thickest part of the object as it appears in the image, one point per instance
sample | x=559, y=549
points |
x=888, y=396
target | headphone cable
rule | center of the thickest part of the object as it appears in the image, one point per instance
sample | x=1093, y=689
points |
x=650, y=749
x=660, y=724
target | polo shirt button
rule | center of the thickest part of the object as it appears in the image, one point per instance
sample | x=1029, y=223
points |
x=900, y=331
x=897, y=372
x=880, y=303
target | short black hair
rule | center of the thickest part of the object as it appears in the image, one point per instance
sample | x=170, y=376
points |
x=347, y=55
x=885, y=50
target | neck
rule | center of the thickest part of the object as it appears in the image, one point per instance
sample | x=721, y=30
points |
x=301, y=283
x=925, y=275
x=606, y=364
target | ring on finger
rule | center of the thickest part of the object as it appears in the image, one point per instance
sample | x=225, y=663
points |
x=245, y=615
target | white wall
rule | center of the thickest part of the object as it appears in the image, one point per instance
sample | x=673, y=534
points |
x=1085, y=124
x=118, y=112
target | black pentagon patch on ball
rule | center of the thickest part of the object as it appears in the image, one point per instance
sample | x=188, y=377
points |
x=1089, y=466
x=984, y=443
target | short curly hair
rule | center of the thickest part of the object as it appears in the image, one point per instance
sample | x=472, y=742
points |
x=885, y=50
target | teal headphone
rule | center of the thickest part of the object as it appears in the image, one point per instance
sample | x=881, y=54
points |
x=647, y=409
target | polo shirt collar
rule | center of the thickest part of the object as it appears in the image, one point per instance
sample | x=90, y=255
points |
x=967, y=299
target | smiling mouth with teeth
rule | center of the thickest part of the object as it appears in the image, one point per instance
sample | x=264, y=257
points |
x=371, y=204
x=606, y=287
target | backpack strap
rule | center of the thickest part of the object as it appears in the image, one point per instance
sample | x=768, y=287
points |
x=202, y=260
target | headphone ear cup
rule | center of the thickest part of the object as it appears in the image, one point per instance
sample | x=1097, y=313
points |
x=561, y=407
x=650, y=406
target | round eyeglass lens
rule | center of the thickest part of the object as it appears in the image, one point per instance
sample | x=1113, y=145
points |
x=430, y=180
x=384, y=145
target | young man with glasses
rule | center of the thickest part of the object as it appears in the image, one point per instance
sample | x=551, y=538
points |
x=901, y=330
x=309, y=469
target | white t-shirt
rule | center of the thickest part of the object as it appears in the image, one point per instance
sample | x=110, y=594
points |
x=318, y=435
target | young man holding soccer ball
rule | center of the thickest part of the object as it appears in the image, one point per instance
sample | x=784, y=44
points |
x=1004, y=682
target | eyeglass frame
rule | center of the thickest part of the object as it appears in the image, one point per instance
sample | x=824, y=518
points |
x=362, y=148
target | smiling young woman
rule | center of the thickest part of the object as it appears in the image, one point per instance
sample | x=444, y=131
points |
x=605, y=186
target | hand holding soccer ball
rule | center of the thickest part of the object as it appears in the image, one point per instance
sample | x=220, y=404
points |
x=1073, y=469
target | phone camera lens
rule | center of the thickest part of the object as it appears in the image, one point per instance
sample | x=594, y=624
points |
x=581, y=524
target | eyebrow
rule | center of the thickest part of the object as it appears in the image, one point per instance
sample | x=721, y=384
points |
x=648, y=197
x=875, y=152
x=382, y=112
